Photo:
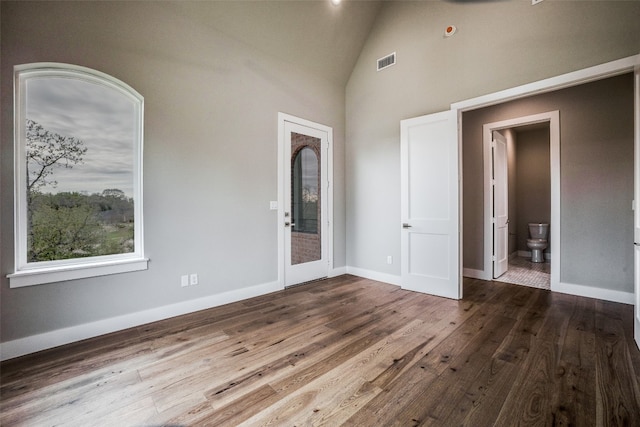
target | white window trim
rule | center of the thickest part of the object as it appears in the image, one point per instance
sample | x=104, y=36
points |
x=27, y=274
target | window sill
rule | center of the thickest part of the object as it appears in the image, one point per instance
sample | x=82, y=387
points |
x=72, y=272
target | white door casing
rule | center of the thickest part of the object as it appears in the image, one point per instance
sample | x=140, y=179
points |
x=553, y=117
x=500, y=219
x=292, y=273
x=430, y=205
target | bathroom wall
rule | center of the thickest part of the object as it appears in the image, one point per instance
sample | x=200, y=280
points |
x=533, y=196
x=596, y=180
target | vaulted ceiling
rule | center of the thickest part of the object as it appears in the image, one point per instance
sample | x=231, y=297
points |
x=312, y=34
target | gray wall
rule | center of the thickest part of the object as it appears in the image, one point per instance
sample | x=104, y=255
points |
x=498, y=45
x=596, y=180
x=533, y=174
x=214, y=76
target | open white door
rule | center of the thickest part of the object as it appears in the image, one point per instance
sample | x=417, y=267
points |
x=500, y=205
x=636, y=213
x=429, y=205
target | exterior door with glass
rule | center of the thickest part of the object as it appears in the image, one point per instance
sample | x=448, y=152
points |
x=305, y=201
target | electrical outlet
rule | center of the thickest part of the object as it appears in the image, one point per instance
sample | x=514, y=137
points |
x=389, y=259
x=184, y=280
x=193, y=279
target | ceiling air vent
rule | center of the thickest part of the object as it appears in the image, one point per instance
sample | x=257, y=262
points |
x=387, y=61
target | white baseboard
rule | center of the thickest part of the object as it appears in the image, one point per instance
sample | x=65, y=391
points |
x=34, y=343
x=375, y=275
x=591, y=292
x=475, y=274
x=338, y=271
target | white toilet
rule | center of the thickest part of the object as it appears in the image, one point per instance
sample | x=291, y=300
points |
x=538, y=241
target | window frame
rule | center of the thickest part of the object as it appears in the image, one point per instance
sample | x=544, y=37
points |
x=35, y=273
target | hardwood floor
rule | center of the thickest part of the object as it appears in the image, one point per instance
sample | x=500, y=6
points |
x=346, y=351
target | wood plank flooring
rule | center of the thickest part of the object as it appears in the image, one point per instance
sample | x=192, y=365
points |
x=346, y=351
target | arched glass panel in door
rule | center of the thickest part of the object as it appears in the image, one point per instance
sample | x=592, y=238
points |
x=305, y=204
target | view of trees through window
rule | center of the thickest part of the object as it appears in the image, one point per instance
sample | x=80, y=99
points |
x=79, y=140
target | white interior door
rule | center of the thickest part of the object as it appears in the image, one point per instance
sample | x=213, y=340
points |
x=429, y=205
x=305, y=200
x=636, y=213
x=500, y=205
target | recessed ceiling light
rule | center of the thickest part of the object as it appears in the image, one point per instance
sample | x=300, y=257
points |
x=336, y=2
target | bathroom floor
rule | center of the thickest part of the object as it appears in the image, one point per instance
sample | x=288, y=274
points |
x=524, y=272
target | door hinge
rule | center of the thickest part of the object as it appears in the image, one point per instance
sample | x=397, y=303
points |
x=493, y=258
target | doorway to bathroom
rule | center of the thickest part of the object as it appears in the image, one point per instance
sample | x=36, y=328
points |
x=521, y=177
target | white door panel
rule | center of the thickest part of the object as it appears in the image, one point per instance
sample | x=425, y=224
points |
x=429, y=205
x=429, y=255
x=500, y=206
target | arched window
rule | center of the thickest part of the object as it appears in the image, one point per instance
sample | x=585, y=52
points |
x=78, y=174
x=305, y=193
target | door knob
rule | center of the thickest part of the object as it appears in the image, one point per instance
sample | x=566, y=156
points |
x=287, y=224
x=405, y=225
